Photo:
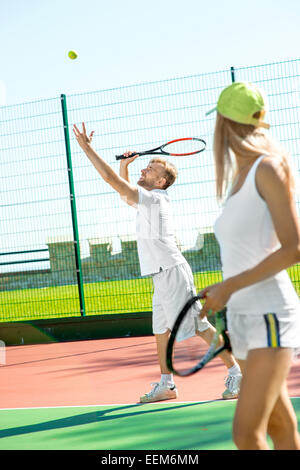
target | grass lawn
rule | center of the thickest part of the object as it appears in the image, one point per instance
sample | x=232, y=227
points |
x=109, y=297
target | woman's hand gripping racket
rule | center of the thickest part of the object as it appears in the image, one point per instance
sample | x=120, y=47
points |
x=190, y=355
x=175, y=148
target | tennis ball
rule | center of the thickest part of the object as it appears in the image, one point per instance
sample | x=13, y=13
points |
x=72, y=55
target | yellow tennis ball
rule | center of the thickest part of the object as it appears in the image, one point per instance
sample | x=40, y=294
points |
x=72, y=55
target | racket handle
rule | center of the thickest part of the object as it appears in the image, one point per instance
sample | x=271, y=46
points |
x=122, y=157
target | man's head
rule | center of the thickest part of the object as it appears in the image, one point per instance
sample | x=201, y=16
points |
x=159, y=174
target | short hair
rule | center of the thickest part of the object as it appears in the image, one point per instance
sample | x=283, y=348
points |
x=170, y=170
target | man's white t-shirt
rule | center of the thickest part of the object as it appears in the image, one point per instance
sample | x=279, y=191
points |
x=156, y=242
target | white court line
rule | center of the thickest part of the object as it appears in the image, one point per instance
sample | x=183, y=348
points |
x=162, y=403
x=113, y=404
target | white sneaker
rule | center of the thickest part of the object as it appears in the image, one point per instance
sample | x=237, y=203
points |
x=232, y=384
x=159, y=392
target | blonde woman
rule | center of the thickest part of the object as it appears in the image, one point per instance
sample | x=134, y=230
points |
x=259, y=236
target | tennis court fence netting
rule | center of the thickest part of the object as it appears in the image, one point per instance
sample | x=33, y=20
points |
x=67, y=241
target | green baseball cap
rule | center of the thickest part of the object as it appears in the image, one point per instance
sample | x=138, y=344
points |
x=239, y=101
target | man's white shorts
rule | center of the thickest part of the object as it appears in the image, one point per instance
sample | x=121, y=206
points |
x=270, y=330
x=172, y=289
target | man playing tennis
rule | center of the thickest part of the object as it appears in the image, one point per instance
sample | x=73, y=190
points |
x=161, y=259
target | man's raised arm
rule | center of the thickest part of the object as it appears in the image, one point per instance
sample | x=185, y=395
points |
x=124, y=165
x=127, y=191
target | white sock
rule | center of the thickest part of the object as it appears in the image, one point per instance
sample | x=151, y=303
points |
x=167, y=379
x=234, y=370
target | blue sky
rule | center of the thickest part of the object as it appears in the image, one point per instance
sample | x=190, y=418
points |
x=122, y=42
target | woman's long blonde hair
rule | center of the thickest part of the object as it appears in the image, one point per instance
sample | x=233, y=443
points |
x=232, y=138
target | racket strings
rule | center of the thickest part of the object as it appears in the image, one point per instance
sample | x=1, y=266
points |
x=184, y=147
x=188, y=353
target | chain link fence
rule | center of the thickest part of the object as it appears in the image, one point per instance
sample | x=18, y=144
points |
x=67, y=240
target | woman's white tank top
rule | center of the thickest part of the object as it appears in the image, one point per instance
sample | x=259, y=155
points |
x=246, y=236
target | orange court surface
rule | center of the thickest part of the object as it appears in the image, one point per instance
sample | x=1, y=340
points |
x=106, y=371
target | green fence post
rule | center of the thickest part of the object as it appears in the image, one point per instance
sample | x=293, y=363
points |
x=232, y=74
x=73, y=205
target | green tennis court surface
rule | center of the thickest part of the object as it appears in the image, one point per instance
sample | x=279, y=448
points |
x=161, y=426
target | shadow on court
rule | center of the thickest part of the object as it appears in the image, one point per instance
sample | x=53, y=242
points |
x=65, y=357
x=185, y=426
x=86, y=418
x=128, y=427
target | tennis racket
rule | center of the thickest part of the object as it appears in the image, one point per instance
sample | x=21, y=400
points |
x=175, y=148
x=190, y=355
